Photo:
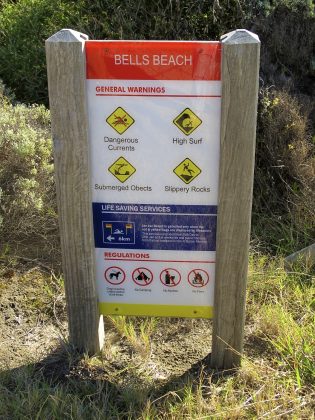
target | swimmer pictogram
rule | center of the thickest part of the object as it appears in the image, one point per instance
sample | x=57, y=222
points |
x=120, y=120
x=118, y=232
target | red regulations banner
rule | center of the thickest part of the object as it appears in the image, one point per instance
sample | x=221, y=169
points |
x=153, y=60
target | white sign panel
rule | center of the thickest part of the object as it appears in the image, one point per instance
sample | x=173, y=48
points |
x=154, y=120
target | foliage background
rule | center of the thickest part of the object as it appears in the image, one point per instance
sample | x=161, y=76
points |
x=285, y=166
x=137, y=374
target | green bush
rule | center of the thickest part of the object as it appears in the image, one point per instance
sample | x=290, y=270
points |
x=24, y=26
x=285, y=154
x=284, y=190
x=27, y=198
x=287, y=34
x=286, y=28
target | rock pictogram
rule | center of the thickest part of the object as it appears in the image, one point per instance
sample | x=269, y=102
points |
x=187, y=170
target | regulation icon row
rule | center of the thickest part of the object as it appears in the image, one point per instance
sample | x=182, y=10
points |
x=143, y=276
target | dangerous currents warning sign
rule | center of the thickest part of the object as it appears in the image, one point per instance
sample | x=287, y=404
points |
x=154, y=126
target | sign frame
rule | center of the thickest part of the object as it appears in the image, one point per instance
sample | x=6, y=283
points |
x=66, y=67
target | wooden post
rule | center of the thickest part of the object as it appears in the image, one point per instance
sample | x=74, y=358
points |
x=66, y=81
x=240, y=69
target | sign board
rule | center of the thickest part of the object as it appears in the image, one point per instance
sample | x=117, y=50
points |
x=142, y=120
x=154, y=127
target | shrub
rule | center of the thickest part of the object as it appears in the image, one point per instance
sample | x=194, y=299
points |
x=287, y=34
x=24, y=26
x=284, y=191
x=27, y=201
x=283, y=188
x=286, y=28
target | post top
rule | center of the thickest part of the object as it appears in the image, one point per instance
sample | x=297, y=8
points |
x=68, y=35
x=240, y=36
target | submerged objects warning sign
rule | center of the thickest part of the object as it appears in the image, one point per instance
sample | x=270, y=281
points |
x=154, y=127
x=122, y=169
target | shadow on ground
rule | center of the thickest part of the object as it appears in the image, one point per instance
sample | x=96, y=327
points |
x=64, y=372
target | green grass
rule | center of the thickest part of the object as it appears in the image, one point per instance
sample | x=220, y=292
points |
x=276, y=379
x=137, y=335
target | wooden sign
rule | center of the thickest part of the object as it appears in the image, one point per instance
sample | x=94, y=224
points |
x=153, y=142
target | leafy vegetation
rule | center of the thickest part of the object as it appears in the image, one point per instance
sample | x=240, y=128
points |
x=284, y=190
x=286, y=29
x=157, y=368
x=24, y=26
x=276, y=379
x=27, y=196
x=285, y=167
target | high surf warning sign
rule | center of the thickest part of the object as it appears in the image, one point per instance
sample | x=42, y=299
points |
x=154, y=126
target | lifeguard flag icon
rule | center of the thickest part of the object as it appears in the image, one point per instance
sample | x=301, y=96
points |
x=120, y=120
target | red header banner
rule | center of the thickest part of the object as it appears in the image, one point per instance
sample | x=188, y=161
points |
x=153, y=60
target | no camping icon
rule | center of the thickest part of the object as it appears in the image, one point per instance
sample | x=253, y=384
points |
x=142, y=276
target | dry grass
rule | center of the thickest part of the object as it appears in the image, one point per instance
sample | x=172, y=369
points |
x=276, y=379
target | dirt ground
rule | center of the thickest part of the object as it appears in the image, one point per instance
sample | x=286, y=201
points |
x=32, y=318
x=33, y=329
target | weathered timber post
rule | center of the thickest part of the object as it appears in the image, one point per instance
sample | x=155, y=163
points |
x=240, y=67
x=65, y=53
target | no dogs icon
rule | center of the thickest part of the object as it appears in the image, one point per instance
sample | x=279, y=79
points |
x=115, y=275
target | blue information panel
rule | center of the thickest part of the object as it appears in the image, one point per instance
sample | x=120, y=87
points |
x=150, y=226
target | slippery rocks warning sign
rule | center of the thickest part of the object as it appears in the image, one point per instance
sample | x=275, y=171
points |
x=154, y=127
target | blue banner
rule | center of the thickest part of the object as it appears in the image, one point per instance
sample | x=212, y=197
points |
x=155, y=226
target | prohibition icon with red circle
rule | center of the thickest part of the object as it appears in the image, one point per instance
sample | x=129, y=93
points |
x=115, y=275
x=142, y=276
x=198, y=277
x=170, y=277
